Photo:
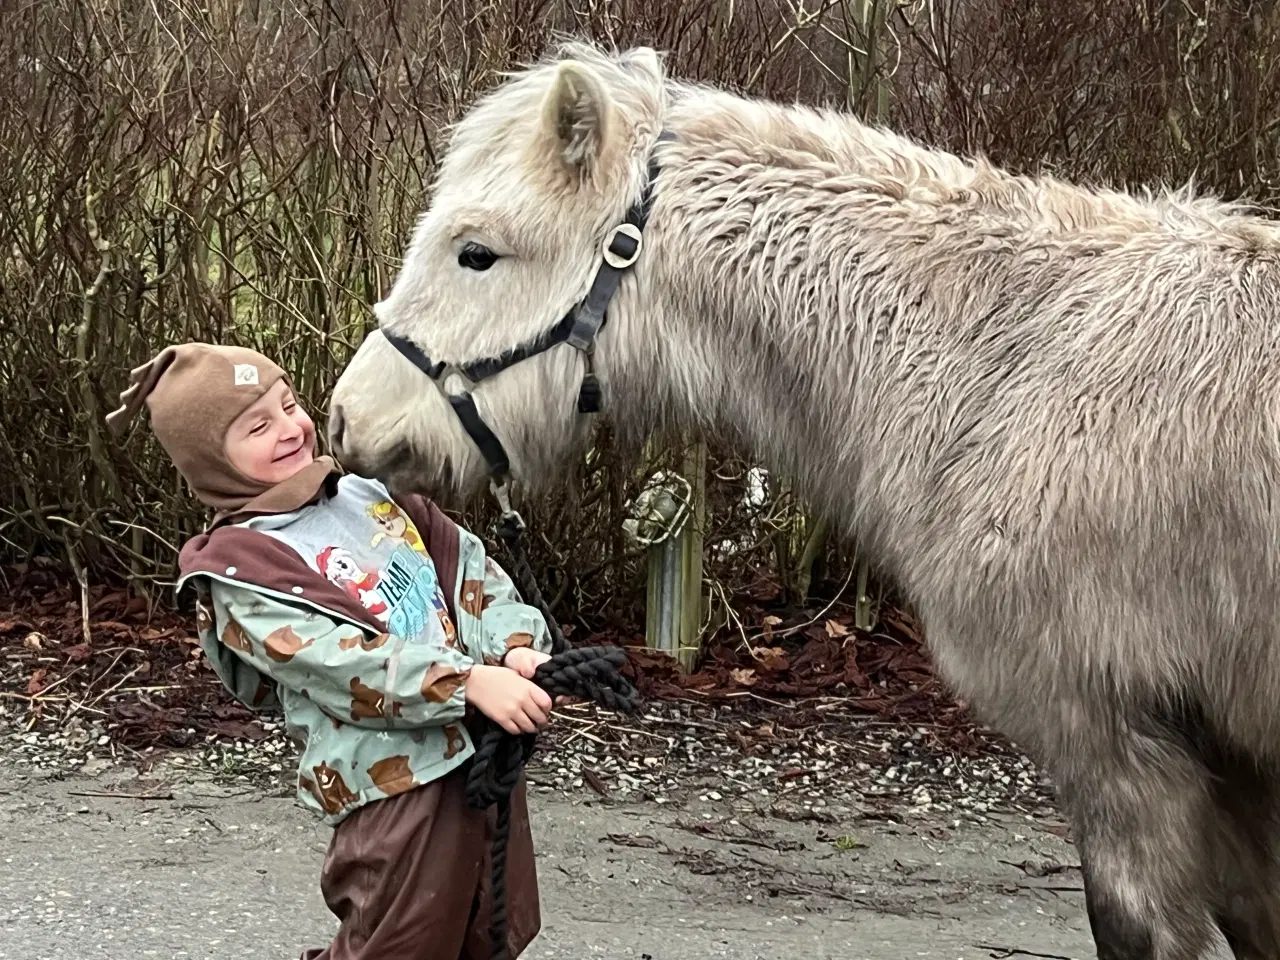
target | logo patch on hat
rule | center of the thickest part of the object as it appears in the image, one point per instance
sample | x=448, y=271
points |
x=246, y=375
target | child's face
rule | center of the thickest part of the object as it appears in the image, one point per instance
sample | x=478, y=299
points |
x=273, y=439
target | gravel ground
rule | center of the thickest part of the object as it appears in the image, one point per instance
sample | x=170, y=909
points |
x=676, y=752
x=749, y=829
x=821, y=795
x=693, y=831
x=107, y=863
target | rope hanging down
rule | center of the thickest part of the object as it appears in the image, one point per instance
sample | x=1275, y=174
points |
x=511, y=530
x=586, y=673
x=589, y=673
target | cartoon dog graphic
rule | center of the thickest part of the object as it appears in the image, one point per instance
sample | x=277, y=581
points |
x=393, y=525
x=341, y=569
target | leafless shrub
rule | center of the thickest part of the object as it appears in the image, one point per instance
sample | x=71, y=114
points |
x=248, y=172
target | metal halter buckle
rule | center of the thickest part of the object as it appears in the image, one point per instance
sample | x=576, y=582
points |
x=502, y=494
x=619, y=261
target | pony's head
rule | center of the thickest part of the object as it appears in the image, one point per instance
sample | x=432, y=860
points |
x=537, y=175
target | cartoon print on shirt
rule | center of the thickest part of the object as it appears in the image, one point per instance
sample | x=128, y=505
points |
x=329, y=788
x=455, y=742
x=392, y=775
x=233, y=636
x=204, y=616
x=446, y=624
x=409, y=585
x=283, y=644
x=341, y=569
x=393, y=525
x=471, y=597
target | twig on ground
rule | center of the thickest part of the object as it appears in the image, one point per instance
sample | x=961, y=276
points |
x=790, y=631
x=686, y=724
x=1001, y=953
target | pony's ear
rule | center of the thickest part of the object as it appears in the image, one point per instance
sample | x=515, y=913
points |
x=577, y=115
x=645, y=61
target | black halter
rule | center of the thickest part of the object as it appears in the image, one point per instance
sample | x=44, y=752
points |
x=578, y=328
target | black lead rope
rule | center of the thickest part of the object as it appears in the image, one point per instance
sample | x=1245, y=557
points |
x=587, y=673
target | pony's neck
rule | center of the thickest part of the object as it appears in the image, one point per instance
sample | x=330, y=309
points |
x=773, y=284
x=810, y=281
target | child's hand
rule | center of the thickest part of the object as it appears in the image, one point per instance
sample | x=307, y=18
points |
x=508, y=699
x=524, y=660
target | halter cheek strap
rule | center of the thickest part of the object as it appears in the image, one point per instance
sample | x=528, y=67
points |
x=579, y=328
x=490, y=446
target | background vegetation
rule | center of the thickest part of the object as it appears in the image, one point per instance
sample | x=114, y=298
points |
x=248, y=171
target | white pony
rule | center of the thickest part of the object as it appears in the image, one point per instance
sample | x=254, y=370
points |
x=1053, y=413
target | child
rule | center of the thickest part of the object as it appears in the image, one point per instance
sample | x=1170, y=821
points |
x=380, y=627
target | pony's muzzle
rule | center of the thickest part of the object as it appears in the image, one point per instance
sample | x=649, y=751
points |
x=337, y=426
x=340, y=446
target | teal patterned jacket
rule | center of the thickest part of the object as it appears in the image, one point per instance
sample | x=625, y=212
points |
x=360, y=617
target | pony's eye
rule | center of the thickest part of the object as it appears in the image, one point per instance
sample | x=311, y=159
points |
x=475, y=256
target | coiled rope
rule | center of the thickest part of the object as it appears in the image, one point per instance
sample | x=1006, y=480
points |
x=584, y=673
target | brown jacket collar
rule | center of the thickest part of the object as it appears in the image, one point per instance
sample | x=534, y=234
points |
x=256, y=559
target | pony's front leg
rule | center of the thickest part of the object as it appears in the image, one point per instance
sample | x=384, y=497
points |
x=1137, y=807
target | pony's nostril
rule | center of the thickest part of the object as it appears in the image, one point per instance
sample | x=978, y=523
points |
x=336, y=426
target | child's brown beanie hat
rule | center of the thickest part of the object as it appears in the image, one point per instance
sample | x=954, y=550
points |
x=194, y=392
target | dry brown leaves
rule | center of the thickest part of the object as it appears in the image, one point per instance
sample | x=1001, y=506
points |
x=144, y=669
x=887, y=673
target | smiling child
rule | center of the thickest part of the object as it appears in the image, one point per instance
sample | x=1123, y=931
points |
x=380, y=628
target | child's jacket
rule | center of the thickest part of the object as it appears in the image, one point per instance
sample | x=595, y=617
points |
x=362, y=617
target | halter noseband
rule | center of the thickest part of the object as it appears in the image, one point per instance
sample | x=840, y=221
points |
x=578, y=328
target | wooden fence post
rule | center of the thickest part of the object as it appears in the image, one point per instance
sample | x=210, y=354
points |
x=692, y=603
x=669, y=519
